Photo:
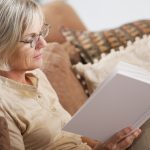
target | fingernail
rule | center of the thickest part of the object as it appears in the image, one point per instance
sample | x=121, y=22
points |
x=140, y=130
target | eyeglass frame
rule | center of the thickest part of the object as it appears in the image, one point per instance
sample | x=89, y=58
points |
x=36, y=38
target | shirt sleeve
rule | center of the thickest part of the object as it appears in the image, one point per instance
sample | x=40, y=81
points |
x=69, y=141
x=16, y=139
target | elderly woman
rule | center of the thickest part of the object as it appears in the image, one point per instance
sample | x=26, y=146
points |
x=27, y=101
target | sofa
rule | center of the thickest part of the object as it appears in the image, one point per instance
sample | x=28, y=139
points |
x=78, y=45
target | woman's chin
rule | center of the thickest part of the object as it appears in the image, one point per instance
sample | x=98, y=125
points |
x=36, y=65
x=38, y=62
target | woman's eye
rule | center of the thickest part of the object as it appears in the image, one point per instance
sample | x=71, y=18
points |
x=29, y=39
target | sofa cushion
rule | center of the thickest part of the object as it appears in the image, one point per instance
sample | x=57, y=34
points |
x=93, y=44
x=73, y=52
x=59, y=13
x=58, y=70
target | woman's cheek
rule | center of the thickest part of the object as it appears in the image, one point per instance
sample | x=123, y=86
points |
x=27, y=62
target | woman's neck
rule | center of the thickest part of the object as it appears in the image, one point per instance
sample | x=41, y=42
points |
x=18, y=76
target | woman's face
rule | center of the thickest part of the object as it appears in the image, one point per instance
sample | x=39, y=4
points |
x=28, y=55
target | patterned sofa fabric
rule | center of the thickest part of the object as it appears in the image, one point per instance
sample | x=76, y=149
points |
x=92, y=44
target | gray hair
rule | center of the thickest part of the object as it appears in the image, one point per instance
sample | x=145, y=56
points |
x=16, y=16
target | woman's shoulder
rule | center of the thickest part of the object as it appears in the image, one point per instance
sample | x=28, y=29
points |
x=38, y=72
x=43, y=81
x=5, y=106
x=41, y=76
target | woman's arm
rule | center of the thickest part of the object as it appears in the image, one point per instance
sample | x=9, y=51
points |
x=92, y=143
x=16, y=139
x=4, y=135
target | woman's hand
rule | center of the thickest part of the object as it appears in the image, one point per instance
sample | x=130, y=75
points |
x=120, y=141
x=90, y=142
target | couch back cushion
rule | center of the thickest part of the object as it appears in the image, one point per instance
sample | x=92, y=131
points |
x=58, y=14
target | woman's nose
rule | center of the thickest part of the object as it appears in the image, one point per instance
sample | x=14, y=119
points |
x=41, y=43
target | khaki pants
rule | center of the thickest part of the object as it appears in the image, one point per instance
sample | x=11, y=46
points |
x=143, y=142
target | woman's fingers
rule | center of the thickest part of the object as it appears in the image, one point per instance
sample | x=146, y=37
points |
x=121, y=134
x=128, y=140
x=121, y=140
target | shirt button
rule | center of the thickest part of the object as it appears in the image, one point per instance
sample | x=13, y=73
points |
x=39, y=95
x=53, y=109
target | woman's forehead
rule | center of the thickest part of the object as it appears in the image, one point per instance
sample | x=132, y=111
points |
x=35, y=27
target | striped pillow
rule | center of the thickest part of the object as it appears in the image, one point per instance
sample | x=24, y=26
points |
x=93, y=44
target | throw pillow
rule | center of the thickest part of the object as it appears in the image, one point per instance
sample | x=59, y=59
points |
x=136, y=53
x=93, y=44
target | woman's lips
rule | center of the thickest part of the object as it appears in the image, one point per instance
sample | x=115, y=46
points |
x=38, y=56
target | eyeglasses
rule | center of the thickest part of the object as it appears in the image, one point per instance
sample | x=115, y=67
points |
x=34, y=38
